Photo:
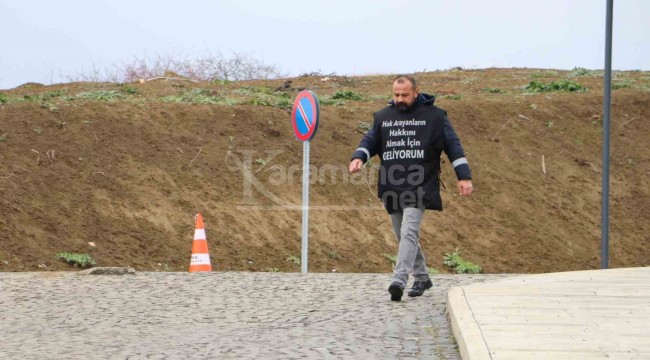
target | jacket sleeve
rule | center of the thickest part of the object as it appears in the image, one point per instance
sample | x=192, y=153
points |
x=454, y=151
x=369, y=145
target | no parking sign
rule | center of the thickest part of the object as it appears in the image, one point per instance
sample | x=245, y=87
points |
x=305, y=118
x=305, y=115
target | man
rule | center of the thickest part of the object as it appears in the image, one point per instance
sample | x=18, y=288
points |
x=409, y=136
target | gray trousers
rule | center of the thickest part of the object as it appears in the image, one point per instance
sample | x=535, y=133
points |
x=410, y=258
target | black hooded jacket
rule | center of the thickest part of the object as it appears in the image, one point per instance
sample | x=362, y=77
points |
x=409, y=143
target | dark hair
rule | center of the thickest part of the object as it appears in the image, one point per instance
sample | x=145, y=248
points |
x=401, y=79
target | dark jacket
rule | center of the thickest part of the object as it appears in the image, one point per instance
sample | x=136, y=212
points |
x=409, y=143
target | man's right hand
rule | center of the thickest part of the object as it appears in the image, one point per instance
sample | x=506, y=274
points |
x=355, y=165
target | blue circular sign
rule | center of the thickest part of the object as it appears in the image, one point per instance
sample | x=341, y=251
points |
x=305, y=115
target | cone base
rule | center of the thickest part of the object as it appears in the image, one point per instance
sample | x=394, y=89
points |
x=200, y=268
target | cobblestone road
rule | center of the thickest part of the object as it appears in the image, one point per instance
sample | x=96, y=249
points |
x=65, y=315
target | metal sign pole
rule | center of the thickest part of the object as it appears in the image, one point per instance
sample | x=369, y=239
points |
x=604, y=246
x=305, y=204
x=305, y=118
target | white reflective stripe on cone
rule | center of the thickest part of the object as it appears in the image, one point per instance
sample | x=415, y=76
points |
x=200, y=259
x=199, y=234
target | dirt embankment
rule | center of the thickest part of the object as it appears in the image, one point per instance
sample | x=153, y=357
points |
x=126, y=167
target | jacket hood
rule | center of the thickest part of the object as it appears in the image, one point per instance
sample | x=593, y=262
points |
x=422, y=99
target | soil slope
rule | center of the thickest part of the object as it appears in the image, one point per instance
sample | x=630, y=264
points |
x=118, y=171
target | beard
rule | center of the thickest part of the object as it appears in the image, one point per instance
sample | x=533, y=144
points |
x=402, y=105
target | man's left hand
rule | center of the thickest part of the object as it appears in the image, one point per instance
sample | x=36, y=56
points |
x=465, y=187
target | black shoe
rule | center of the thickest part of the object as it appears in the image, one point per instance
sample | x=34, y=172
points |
x=396, y=290
x=419, y=287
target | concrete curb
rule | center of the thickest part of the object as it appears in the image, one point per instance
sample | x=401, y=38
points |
x=471, y=343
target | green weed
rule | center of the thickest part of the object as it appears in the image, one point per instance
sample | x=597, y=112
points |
x=492, y=90
x=49, y=106
x=283, y=103
x=546, y=73
x=293, y=259
x=265, y=96
x=580, y=71
x=363, y=127
x=392, y=259
x=3, y=98
x=347, y=95
x=76, y=259
x=252, y=90
x=347, y=81
x=331, y=102
x=455, y=262
x=100, y=95
x=199, y=97
x=469, y=80
x=333, y=255
x=452, y=259
x=260, y=102
x=621, y=84
x=45, y=96
x=468, y=268
x=53, y=94
x=559, y=85
x=128, y=89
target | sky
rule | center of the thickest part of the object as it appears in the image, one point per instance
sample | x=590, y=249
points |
x=50, y=41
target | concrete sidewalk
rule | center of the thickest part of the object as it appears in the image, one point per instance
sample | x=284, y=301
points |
x=572, y=315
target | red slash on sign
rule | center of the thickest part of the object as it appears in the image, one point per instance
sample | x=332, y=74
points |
x=305, y=115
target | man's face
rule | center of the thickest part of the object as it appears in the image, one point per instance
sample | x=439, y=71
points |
x=404, y=94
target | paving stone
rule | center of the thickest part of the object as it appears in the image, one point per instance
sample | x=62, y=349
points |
x=230, y=315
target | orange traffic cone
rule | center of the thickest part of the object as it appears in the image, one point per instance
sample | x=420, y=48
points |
x=200, y=260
